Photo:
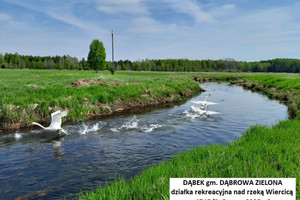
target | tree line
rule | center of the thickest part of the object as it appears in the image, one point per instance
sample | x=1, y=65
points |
x=224, y=65
x=16, y=61
x=9, y=60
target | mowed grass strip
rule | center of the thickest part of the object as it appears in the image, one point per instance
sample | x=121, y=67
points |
x=261, y=152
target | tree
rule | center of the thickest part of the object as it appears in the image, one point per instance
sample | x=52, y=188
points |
x=61, y=63
x=2, y=61
x=97, y=56
x=48, y=63
x=40, y=64
x=84, y=64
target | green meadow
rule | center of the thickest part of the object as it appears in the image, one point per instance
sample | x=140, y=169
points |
x=31, y=95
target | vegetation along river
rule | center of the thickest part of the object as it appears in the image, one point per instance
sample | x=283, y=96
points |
x=35, y=166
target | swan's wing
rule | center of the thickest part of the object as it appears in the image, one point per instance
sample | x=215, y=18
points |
x=210, y=103
x=55, y=113
x=212, y=113
x=64, y=113
x=198, y=110
x=195, y=108
x=56, y=119
x=205, y=102
x=199, y=102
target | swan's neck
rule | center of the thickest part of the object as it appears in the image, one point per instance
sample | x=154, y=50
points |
x=39, y=125
x=206, y=98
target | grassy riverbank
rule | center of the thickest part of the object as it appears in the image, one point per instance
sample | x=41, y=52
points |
x=31, y=95
x=283, y=87
x=261, y=152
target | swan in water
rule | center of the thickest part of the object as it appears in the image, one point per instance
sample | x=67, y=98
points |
x=204, y=103
x=55, y=123
x=203, y=112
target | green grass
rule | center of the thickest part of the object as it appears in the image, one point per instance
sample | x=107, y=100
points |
x=261, y=152
x=21, y=104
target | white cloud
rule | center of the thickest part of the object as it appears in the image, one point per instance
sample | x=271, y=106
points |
x=26, y=37
x=4, y=17
x=229, y=6
x=253, y=35
x=64, y=14
x=29, y=40
x=149, y=26
x=191, y=8
x=259, y=34
x=121, y=6
x=69, y=18
x=223, y=10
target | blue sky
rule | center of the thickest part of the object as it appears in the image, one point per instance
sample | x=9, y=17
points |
x=245, y=30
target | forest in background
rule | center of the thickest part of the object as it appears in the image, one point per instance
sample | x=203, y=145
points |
x=11, y=61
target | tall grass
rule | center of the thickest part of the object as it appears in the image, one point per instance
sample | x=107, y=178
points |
x=31, y=95
x=261, y=152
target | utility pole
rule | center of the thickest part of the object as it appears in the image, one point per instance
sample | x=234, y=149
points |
x=112, y=53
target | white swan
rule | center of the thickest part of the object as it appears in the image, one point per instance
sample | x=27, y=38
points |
x=198, y=110
x=204, y=103
x=203, y=112
x=55, y=122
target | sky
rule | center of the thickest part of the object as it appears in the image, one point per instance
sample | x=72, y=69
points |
x=243, y=30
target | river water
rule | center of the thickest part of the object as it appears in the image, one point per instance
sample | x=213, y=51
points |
x=35, y=166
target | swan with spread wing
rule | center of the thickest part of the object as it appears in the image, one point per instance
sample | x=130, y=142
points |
x=204, y=103
x=55, y=122
x=203, y=112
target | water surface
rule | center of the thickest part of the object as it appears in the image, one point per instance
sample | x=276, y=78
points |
x=33, y=165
